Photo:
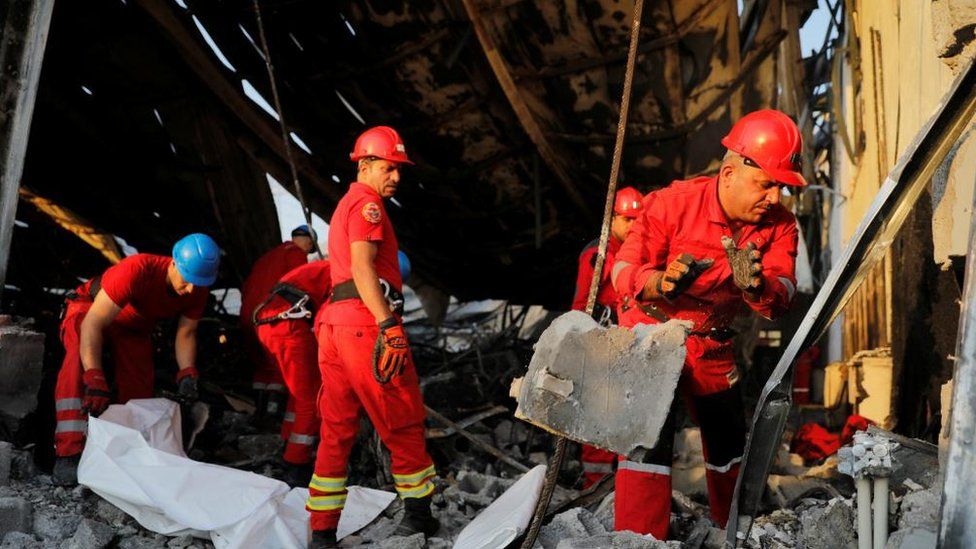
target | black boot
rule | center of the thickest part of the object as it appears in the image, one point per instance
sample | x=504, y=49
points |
x=66, y=470
x=417, y=518
x=323, y=539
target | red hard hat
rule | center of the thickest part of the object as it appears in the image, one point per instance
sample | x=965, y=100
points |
x=382, y=142
x=628, y=202
x=771, y=140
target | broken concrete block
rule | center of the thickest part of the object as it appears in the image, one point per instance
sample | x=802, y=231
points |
x=15, y=515
x=921, y=510
x=54, y=524
x=415, y=541
x=110, y=513
x=571, y=524
x=778, y=529
x=616, y=540
x=90, y=534
x=259, y=445
x=912, y=538
x=611, y=388
x=829, y=526
x=20, y=540
x=6, y=457
x=21, y=358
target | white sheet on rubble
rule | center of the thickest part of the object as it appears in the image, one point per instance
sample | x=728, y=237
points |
x=507, y=517
x=134, y=459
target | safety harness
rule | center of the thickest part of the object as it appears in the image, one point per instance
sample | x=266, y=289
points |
x=298, y=299
x=347, y=290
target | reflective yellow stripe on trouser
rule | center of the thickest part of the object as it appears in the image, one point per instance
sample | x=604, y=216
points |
x=415, y=485
x=326, y=493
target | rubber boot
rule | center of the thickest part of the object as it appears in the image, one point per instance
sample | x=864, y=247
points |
x=66, y=470
x=323, y=539
x=417, y=518
x=297, y=475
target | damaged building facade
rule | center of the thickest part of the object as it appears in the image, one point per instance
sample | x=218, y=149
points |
x=130, y=123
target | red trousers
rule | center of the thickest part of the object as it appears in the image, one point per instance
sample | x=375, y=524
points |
x=597, y=463
x=395, y=409
x=267, y=375
x=643, y=489
x=131, y=370
x=292, y=347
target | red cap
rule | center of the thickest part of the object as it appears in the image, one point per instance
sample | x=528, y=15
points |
x=382, y=142
x=771, y=140
x=628, y=202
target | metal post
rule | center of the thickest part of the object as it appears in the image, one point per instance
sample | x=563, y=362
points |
x=25, y=29
x=958, y=513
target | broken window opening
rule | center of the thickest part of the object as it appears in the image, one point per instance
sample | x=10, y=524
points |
x=213, y=45
x=350, y=108
x=255, y=95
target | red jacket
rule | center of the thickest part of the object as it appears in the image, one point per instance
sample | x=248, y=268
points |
x=686, y=217
x=265, y=274
x=606, y=295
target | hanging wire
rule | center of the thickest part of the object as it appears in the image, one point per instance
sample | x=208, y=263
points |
x=284, y=128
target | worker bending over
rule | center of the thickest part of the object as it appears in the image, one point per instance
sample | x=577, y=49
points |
x=270, y=393
x=117, y=311
x=703, y=250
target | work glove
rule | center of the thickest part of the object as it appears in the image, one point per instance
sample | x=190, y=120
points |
x=97, y=394
x=746, y=266
x=679, y=275
x=391, y=352
x=186, y=384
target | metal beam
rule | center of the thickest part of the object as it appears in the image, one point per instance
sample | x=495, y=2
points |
x=522, y=111
x=958, y=514
x=202, y=62
x=895, y=199
x=25, y=30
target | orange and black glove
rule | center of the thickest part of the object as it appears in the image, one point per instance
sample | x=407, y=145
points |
x=746, y=266
x=391, y=352
x=97, y=395
x=677, y=277
x=186, y=384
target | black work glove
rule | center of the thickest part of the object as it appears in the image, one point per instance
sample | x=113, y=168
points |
x=679, y=275
x=186, y=383
x=746, y=266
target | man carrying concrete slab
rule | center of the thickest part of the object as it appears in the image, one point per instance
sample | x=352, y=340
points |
x=703, y=250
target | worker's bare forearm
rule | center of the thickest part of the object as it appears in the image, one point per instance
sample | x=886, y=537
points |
x=368, y=286
x=186, y=343
x=91, y=345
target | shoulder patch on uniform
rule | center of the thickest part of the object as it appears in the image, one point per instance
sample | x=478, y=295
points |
x=372, y=212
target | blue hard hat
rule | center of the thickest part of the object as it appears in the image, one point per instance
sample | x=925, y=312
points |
x=197, y=258
x=304, y=230
x=404, y=265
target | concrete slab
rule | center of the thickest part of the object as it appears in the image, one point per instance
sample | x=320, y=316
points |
x=608, y=387
x=21, y=359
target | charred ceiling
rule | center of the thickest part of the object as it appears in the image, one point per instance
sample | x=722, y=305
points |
x=509, y=108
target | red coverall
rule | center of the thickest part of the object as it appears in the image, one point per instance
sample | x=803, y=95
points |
x=346, y=339
x=291, y=345
x=138, y=285
x=264, y=275
x=686, y=218
x=597, y=462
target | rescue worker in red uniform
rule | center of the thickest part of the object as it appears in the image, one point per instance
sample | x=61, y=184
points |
x=284, y=327
x=118, y=311
x=705, y=250
x=269, y=387
x=364, y=355
x=597, y=463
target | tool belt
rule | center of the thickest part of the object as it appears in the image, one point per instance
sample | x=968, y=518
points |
x=716, y=334
x=347, y=290
x=604, y=316
x=297, y=299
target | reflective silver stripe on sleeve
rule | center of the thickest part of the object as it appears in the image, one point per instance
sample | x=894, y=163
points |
x=790, y=288
x=617, y=267
x=71, y=426
x=305, y=440
x=724, y=468
x=597, y=467
x=644, y=467
x=64, y=404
